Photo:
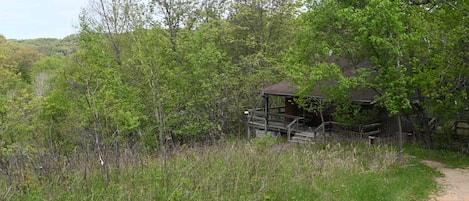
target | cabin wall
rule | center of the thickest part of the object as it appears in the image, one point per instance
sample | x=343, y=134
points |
x=311, y=118
x=291, y=109
x=391, y=126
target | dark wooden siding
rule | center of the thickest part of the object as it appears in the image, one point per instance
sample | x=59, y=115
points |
x=391, y=127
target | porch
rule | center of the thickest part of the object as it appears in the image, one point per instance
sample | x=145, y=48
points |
x=301, y=128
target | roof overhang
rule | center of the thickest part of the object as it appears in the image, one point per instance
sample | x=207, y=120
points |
x=286, y=88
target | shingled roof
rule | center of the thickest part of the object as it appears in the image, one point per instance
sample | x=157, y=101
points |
x=362, y=95
x=286, y=88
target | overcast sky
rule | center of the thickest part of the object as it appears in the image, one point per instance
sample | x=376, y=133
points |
x=29, y=19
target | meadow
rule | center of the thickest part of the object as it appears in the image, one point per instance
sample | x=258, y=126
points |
x=259, y=169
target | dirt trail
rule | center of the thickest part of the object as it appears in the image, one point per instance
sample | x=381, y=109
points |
x=455, y=183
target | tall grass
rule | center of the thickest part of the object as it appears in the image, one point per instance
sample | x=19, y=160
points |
x=261, y=169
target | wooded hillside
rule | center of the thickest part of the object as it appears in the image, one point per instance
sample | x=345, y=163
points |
x=142, y=76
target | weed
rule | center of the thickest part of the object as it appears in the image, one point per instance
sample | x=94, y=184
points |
x=450, y=158
x=252, y=171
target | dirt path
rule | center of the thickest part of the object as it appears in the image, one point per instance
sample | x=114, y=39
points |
x=455, y=183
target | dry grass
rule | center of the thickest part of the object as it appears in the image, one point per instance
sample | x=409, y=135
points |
x=258, y=170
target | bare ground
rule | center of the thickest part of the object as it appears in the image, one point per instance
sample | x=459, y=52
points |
x=454, y=184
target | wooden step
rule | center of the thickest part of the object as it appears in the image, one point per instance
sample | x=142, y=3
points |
x=304, y=134
x=300, y=139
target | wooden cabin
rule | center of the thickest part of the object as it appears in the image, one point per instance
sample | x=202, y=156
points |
x=280, y=114
x=297, y=123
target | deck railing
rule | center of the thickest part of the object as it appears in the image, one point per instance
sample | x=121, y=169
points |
x=279, y=121
x=292, y=126
x=364, y=130
x=321, y=128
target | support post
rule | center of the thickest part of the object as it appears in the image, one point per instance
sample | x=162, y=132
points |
x=266, y=112
x=247, y=113
x=401, y=140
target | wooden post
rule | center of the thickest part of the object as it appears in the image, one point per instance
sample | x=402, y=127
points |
x=266, y=112
x=247, y=123
x=401, y=141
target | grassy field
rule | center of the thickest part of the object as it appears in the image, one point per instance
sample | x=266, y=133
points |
x=262, y=169
x=449, y=158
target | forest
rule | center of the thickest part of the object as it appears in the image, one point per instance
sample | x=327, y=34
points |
x=143, y=78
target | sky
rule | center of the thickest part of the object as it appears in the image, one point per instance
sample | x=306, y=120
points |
x=30, y=19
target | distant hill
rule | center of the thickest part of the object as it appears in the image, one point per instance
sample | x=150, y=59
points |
x=51, y=46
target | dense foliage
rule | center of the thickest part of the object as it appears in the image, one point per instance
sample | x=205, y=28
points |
x=140, y=76
x=417, y=51
x=143, y=76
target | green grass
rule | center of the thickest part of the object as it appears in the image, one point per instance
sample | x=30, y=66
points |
x=450, y=158
x=250, y=171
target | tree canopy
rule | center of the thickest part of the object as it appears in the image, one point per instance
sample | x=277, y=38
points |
x=417, y=50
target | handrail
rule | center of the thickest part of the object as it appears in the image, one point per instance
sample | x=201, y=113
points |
x=256, y=116
x=260, y=120
x=275, y=114
x=262, y=109
x=261, y=113
x=289, y=127
x=367, y=126
x=295, y=121
x=255, y=112
x=321, y=127
x=364, y=130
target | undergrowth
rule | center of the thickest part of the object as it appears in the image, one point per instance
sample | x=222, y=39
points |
x=256, y=170
x=450, y=158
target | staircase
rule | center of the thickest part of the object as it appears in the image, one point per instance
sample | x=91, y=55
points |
x=302, y=137
x=306, y=136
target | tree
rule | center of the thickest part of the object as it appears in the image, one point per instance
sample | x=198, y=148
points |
x=25, y=58
x=177, y=14
x=20, y=126
x=189, y=84
x=403, y=43
x=43, y=73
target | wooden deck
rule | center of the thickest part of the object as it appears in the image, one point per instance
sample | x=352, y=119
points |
x=278, y=122
x=296, y=129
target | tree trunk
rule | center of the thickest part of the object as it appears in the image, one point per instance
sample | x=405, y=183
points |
x=401, y=140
